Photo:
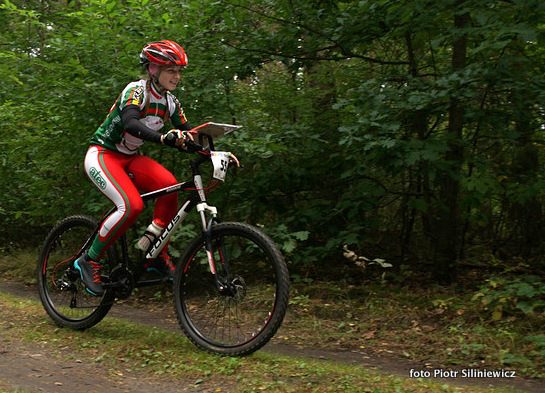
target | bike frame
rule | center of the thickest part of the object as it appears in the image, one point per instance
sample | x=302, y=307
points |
x=197, y=199
x=201, y=205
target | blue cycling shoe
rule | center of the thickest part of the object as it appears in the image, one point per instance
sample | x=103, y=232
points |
x=89, y=272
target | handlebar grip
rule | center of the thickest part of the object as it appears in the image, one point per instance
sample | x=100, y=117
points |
x=192, y=147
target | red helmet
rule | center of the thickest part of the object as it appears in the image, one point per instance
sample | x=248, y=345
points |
x=164, y=52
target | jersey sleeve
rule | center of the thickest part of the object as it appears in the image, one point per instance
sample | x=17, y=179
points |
x=130, y=116
x=133, y=94
x=177, y=115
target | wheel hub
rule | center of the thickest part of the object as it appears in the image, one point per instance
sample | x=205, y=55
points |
x=235, y=289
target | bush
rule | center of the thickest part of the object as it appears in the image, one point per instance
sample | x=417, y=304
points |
x=515, y=297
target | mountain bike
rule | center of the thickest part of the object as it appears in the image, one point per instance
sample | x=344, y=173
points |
x=231, y=284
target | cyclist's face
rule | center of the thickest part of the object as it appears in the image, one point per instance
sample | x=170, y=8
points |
x=169, y=77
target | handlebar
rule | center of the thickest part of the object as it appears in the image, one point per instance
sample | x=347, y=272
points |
x=204, y=151
x=203, y=140
x=192, y=147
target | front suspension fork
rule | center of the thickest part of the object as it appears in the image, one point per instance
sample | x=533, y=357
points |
x=221, y=284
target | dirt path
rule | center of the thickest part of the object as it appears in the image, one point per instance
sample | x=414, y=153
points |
x=26, y=366
x=31, y=368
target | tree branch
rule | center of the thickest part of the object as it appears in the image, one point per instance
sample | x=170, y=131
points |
x=346, y=53
x=307, y=56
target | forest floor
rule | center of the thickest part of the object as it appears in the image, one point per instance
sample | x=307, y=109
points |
x=28, y=367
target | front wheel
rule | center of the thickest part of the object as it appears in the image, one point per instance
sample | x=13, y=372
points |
x=62, y=293
x=238, y=309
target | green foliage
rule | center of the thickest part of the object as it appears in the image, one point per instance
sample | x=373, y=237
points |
x=288, y=241
x=520, y=296
x=348, y=111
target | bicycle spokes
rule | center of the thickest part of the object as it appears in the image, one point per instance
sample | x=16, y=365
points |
x=61, y=291
x=231, y=311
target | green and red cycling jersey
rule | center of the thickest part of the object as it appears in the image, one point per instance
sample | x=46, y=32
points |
x=155, y=109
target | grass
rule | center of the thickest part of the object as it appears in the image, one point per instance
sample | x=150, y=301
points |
x=20, y=266
x=433, y=327
x=124, y=347
x=436, y=327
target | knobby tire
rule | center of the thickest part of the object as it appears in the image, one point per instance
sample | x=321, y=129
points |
x=244, y=320
x=72, y=307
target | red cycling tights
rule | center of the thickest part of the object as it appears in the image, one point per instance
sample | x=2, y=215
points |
x=109, y=171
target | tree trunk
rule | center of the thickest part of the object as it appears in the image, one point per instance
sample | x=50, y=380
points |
x=417, y=123
x=526, y=214
x=448, y=215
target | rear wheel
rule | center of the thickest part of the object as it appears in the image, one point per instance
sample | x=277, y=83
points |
x=243, y=312
x=62, y=293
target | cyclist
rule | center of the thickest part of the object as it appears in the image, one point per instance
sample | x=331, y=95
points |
x=119, y=171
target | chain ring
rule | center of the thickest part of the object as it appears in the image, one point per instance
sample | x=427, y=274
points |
x=124, y=282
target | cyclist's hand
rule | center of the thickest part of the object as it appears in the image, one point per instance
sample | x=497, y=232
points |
x=172, y=138
x=178, y=139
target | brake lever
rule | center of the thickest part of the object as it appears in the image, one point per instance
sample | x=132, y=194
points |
x=234, y=159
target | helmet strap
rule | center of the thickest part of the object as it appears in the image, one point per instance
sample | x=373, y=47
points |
x=154, y=71
x=157, y=85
